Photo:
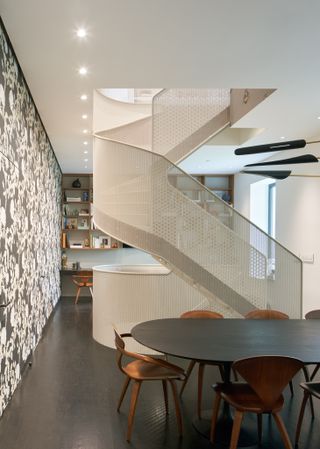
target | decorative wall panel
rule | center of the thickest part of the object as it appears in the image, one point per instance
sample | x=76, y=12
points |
x=30, y=195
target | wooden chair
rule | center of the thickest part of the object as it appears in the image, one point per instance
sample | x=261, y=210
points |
x=266, y=378
x=268, y=314
x=310, y=389
x=313, y=315
x=146, y=368
x=82, y=279
x=200, y=314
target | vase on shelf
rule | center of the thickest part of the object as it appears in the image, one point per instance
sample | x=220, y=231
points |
x=76, y=183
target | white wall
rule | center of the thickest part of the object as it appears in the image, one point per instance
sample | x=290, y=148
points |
x=297, y=222
x=259, y=203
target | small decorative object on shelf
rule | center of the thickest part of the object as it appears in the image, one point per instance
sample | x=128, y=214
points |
x=70, y=223
x=64, y=260
x=85, y=196
x=86, y=243
x=83, y=224
x=114, y=245
x=76, y=183
x=226, y=197
x=84, y=212
x=105, y=242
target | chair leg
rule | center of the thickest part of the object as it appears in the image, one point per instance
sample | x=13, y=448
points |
x=189, y=370
x=133, y=403
x=77, y=296
x=236, y=429
x=259, y=422
x=221, y=372
x=165, y=394
x=301, y=414
x=215, y=411
x=282, y=430
x=291, y=388
x=123, y=392
x=200, y=386
x=235, y=374
x=177, y=405
x=307, y=377
x=314, y=372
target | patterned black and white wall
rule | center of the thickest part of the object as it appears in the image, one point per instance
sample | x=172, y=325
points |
x=30, y=195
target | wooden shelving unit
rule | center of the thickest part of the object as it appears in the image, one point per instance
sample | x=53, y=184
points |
x=221, y=185
x=78, y=231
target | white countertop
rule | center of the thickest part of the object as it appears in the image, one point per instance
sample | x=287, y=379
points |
x=150, y=269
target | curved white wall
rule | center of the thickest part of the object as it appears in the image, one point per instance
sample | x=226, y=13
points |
x=109, y=114
x=127, y=295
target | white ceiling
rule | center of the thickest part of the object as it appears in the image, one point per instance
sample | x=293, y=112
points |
x=181, y=43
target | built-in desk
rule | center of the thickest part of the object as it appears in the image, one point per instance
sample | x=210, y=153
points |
x=68, y=288
x=71, y=271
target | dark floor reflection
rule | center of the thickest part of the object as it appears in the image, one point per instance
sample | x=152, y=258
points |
x=67, y=399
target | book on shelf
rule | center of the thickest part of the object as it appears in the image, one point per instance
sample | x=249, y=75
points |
x=84, y=213
x=75, y=245
x=64, y=240
x=70, y=211
x=73, y=199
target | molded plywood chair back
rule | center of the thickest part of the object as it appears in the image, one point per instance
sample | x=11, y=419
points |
x=203, y=314
x=82, y=279
x=313, y=315
x=266, y=314
x=266, y=377
x=309, y=389
x=146, y=368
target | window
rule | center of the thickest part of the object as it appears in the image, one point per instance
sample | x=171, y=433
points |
x=263, y=215
x=272, y=209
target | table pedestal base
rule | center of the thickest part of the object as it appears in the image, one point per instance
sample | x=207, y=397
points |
x=223, y=430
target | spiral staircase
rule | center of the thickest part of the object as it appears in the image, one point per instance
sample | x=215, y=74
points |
x=139, y=200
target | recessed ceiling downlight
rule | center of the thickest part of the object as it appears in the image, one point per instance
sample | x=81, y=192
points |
x=83, y=71
x=85, y=131
x=85, y=143
x=81, y=32
x=84, y=97
x=84, y=116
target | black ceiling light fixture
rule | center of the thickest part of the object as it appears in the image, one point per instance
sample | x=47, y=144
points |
x=278, y=146
x=274, y=174
x=305, y=159
x=270, y=147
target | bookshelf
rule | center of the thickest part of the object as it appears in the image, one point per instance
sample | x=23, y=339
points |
x=78, y=229
x=221, y=185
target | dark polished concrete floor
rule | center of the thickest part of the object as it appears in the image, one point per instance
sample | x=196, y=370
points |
x=67, y=399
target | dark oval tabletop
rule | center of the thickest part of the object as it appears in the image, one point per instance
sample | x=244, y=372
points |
x=231, y=339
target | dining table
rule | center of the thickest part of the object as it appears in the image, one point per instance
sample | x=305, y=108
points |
x=227, y=340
